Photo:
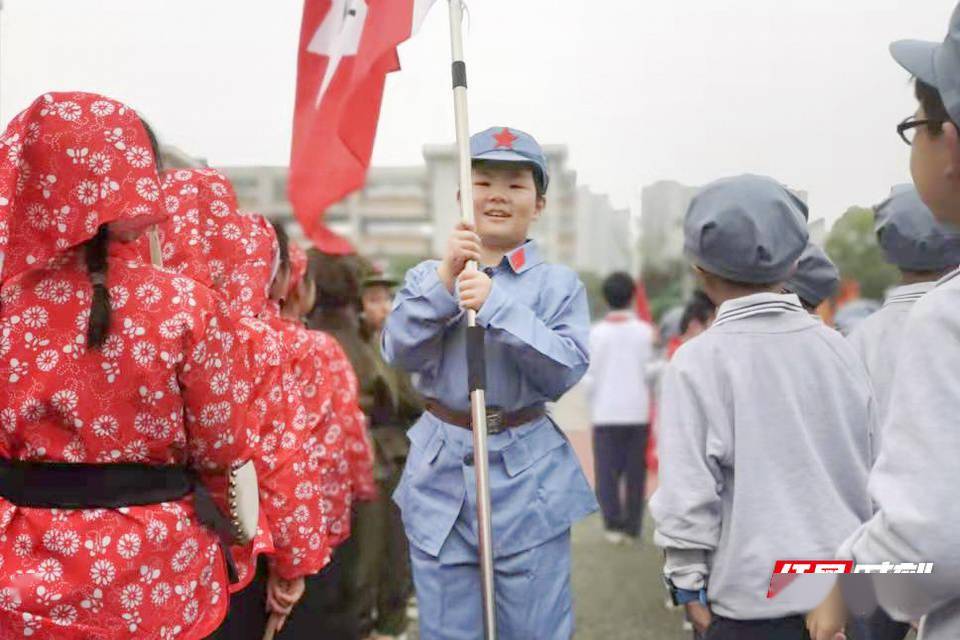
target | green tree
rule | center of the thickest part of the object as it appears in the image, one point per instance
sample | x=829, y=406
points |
x=852, y=245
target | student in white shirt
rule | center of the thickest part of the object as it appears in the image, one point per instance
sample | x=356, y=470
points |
x=914, y=481
x=923, y=251
x=764, y=428
x=621, y=347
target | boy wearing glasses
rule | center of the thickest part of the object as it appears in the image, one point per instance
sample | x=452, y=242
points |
x=915, y=479
x=765, y=428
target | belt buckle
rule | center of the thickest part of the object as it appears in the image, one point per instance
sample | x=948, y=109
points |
x=494, y=421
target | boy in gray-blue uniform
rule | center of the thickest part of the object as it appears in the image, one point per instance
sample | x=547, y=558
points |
x=537, y=327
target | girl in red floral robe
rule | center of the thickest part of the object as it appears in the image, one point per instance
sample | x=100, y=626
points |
x=109, y=361
x=298, y=454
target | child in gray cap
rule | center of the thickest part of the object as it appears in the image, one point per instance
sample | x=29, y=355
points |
x=815, y=279
x=914, y=481
x=924, y=251
x=765, y=428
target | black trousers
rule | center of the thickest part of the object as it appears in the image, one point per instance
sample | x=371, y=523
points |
x=620, y=469
x=790, y=628
x=327, y=609
x=247, y=616
x=878, y=626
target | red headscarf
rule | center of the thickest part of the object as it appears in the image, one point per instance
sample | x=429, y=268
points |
x=298, y=266
x=210, y=240
x=69, y=163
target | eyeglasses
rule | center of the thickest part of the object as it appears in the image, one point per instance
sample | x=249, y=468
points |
x=907, y=129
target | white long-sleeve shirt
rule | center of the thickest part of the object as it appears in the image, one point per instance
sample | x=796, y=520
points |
x=621, y=347
x=877, y=342
x=764, y=439
x=917, y=474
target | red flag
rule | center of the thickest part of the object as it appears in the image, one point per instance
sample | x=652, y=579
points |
x=643, y=305
x=347, y=47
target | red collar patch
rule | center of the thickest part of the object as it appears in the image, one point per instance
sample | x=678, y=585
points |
x=518, y=258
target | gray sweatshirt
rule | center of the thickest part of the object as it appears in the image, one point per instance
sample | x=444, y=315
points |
x=916, y=479
x=764, y=437
x=877, y=341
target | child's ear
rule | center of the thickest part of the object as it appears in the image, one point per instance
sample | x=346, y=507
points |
x=540, y=206
x=952, y=139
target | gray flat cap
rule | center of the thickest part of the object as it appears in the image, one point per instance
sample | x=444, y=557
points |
x=937, y=64
x=816, y=279
x=748, y=229
x=910, y=236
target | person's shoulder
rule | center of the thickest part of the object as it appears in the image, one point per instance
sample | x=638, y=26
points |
x=699, y=350
x=557, y=280
x=849, y=352
x=325, y=343
x=936, y=310
x=559, y=273
x=834, y=338
x=945, y=294
x=151, y=285
x=874, y=324
x=418, y=272
x=642, y=327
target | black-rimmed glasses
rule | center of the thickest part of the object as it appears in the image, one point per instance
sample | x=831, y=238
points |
x=907, y=130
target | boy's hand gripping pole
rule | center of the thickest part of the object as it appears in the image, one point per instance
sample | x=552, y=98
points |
x=475, y=353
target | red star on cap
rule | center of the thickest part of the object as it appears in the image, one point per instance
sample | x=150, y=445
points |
x=504, y=139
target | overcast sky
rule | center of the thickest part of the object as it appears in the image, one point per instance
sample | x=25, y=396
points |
x=640, y=90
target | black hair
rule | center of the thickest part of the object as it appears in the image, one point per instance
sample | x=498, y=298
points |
x=807, y=305
x=618, y=289
x=95, y=254
x=154, y=144
x=538, y=177
x=283, y=241
x=337, y=279
x=933, y=107
x=699, y=308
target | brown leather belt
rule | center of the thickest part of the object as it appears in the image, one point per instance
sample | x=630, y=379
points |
x=497, y=420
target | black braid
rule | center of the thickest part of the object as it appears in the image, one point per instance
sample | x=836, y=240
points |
x=283, y=242
x=96, y=257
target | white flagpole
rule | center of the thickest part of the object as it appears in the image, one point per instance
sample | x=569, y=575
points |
x=475, y=352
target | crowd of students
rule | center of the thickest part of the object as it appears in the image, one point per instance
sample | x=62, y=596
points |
x=154, y=339
x=138, y=379
x=780, y=438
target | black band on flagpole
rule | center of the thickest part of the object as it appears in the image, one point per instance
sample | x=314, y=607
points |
x=459, y=74
x=476, y=360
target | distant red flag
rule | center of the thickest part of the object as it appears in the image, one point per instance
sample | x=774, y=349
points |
x=643, y=305
x=347, y=47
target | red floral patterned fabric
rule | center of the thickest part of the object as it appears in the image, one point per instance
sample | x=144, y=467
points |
x=166, y=388
x=343, y=423
x=69, y=163
x=208, y=238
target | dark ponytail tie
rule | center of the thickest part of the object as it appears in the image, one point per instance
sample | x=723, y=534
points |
x=96, y=259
